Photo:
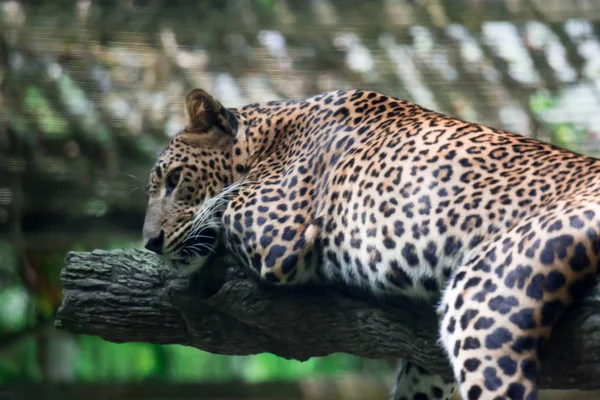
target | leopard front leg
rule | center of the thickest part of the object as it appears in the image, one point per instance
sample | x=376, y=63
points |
x=416, y=383
x=279, y=247
x=503, y=303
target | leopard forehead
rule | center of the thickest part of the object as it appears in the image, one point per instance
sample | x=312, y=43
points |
x=204, y=166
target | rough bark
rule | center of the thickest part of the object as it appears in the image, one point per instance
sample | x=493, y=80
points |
x=130, y=296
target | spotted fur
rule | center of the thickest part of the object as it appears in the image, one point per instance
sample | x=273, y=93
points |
x=365, y=190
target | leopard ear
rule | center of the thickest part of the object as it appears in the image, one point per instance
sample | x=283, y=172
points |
x=202, y=109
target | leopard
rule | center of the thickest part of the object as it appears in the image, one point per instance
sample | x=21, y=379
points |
x=498, y=232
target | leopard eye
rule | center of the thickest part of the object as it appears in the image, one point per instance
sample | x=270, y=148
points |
x=173, y=180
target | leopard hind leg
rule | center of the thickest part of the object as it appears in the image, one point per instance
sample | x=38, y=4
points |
x=502, y=304
x=416, y=383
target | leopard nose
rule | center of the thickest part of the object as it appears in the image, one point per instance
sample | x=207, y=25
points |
x=155, y=243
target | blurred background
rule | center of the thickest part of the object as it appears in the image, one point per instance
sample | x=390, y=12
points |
x=90, y=91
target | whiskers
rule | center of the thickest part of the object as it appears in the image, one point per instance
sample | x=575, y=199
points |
x=131, y=176
x=196, y=250
x=199, y=241
x=135, y=187
x=209, y=215
x=132, y=191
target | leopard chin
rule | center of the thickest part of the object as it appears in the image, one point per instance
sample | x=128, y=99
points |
x=188, y=266
x=198, y=250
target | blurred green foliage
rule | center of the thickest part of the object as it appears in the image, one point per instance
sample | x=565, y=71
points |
x=564, y=134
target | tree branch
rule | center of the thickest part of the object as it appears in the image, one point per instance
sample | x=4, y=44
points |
x=129, y=296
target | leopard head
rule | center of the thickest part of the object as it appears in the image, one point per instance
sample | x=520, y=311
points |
x=186, y=185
